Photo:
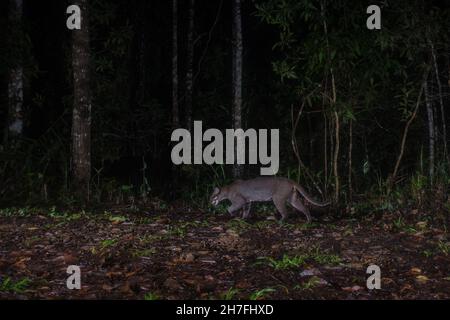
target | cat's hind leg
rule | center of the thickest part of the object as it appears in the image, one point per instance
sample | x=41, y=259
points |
x=297, y=204
x=280, y=204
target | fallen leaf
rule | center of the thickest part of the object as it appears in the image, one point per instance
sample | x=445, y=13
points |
x=352, y=289
x=406, y=287
x=422, y=279
x=21, y=264
x=415, y=270
x=421, y=224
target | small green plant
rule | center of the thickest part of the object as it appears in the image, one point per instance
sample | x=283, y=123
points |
x=55, y=213
x=239, y=225
x=143, y=253
x=30, y=241
x=148, y=239
x=307, y=285
x=108, y=243
x=444, y=247
x=9, y=285
x=117, y=219
x=427, y=253
x=19, y=212
x=307, y=226
x=284, y=263
x=261, y=294
x=229, y=294
x=400, y=225
x=287, y=262
x=161, y=205
x=324, y=258
x=418, y=185
x=151, y=296
x=145, y=220
x=176, y=231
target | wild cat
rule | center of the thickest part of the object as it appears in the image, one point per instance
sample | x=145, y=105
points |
x=242, y=193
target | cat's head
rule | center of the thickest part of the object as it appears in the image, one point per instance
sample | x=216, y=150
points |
x=217, y=196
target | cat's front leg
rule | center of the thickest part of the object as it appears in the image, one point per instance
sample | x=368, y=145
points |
x=246, y=210
x=236, y=204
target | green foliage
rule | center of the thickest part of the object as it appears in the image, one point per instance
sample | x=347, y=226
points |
x=309, y=284
x=387, y=84
x=324, y=258
x=108, y=243
x=444, y=247
x=8, y=285
x=401, y=225
x=284, y=263
x=151, y=296
x=143, y=253
x=376, y=75
x=117, y=219
x=261, y=294
x=239, y=225
x=293, y=262
x=230, y=294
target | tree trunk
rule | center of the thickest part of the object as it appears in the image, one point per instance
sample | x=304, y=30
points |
x=325, y=147
x=175, y=109
x=431, y=133
x=237, y=75
x=190, y=65
x=441, y=102
x=15, y=85
x=336, y=157
x=393, y=176
x=333, y=104
x=350, y=151
x=81, y=118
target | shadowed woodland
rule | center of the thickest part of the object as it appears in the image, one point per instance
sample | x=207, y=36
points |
x=87, y=179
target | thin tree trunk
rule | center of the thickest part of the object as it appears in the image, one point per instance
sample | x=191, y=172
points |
x=431, y=135
x=350, y=150
x=332, y=141
x=15, y=85
x=81, y=118
x=333, y=102
x=325, y=148
x=337, y=143
x=175, y=109
x=311, y=141
x=237, y=75
x=393, y=176
x=294, y=144
x=441, y=102
x=190, y=65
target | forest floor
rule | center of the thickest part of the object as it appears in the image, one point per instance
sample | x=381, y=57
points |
x=154, y=254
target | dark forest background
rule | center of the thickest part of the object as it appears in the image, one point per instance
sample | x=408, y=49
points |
x=363, y=114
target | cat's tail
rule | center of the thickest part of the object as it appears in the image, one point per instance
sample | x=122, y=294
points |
x=302, y=191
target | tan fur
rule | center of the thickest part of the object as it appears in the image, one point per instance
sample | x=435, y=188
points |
x=242, y=193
